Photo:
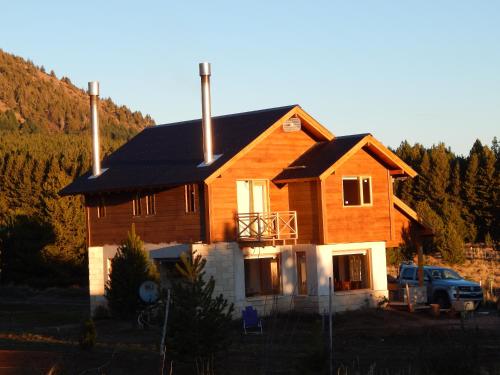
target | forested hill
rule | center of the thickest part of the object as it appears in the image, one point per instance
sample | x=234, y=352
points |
x=44, y=145
x=35, y=100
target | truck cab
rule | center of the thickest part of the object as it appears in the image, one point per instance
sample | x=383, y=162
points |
x=444, y=285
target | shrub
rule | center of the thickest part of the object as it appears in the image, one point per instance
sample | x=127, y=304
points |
x=87, y=335
x=129, y=269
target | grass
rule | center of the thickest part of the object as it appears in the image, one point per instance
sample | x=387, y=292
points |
x=365, y=342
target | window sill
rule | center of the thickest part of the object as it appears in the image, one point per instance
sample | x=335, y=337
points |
x=358, y=206
x=263, y=296
x=354, y=291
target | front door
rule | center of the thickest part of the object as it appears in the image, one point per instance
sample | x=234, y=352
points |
x=253, y=199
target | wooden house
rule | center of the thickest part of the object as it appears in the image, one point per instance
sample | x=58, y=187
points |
x=283, y=206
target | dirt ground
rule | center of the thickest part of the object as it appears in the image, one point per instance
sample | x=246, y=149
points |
x=37, y=334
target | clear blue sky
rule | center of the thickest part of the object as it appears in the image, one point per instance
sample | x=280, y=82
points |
x=426, y=71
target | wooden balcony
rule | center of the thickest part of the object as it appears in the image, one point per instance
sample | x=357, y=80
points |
x=267, y=226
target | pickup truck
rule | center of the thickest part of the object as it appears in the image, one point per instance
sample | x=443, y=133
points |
x=444, y=285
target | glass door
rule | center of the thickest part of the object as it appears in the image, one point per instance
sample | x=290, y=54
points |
x=253, y=203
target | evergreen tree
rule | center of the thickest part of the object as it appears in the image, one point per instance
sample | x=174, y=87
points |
x=422, y=180
x=469, y=195
x=486, y=186
x=129, y=269
x=439, y=176
x=199, y=323
x=455, y=186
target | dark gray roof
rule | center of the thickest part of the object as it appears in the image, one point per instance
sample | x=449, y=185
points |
x=320, y=157
x=166, y=155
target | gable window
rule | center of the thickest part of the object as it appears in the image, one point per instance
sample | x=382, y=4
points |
x=190, y=196
x=357, y=191
x=101, y=207
x=350, y=272
x=262, y=276
x=150, y=204
x=136, y=205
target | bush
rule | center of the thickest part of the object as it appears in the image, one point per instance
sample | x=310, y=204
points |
x=87, y=335
x=129, y=269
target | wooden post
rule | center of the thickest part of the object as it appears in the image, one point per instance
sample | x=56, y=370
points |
x=420, y=265
x=164, y=334
x=408, y=299
x=330, y=322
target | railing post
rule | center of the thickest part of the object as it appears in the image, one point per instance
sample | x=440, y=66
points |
x=259, y=234
x=277, y=225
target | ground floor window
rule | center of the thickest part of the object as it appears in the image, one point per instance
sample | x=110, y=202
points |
x=262, y=276
x=350, y=272
x=301, y=272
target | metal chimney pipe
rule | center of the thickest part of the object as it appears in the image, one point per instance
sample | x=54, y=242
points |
x=206, y=121
x=94, y=120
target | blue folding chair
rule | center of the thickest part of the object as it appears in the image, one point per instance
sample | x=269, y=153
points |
x=251, y=320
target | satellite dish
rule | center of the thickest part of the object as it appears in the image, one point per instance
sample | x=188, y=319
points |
x=148, y=291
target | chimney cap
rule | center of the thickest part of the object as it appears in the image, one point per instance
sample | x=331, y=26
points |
x=94, y=88
x=205, y=69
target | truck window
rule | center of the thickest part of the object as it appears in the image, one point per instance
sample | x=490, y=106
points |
x=408, y=274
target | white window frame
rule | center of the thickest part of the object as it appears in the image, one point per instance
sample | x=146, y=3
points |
x=266, y=201
x=360, y=186
x=136, y=211
x=101, y=207
x=190, y=198
x=150, y=208
x=368, y=260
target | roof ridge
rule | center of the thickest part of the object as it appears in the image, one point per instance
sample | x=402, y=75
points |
x=246, y=113
x=352, y=135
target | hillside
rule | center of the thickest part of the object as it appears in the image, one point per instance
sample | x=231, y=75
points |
x=35, y=100
x=43, y=147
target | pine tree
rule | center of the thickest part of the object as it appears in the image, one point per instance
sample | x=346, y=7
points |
x=199, y=325
x=422, y=180
x=486, y=186
x=130, y=267
x=469, y=195
x=440, y=175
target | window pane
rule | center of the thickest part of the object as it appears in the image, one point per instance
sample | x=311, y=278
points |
x=351, y=192
x=301, y=273
x=350, y=272
x=150, y=204
x=262, y=276
x=137, y=205
x=191, y=198
x=367, y=199
x=101, y=210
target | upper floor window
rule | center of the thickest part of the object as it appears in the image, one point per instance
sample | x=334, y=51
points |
x=101, y=207
x=357, y=191
x=150, y=204
x=136, y=205
x=190, y=196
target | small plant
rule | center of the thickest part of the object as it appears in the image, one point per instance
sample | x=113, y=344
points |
x=382, y=302
x=87, y=335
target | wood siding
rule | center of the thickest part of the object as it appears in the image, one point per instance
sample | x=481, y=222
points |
x=303, y=198
x=402, y=228
x=359, y=224
x=264, y=161
x=169, y=224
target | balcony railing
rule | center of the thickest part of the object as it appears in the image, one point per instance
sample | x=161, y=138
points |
x=267, y=226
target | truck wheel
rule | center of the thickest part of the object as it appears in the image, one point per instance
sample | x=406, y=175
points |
x=442, y=300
